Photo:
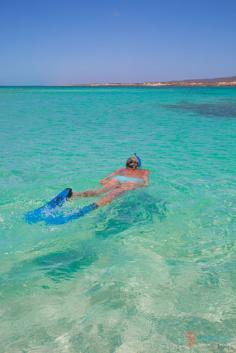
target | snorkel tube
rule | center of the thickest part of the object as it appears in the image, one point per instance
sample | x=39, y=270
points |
x=138, y=160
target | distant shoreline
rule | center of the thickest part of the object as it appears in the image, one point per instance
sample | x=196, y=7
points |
x=215, y=82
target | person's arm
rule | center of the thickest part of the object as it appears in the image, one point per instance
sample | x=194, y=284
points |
x=145, y=178
x=107, y=178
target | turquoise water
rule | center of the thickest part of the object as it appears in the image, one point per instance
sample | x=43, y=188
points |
x=140, y=274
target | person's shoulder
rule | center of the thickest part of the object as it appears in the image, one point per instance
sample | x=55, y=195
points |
x=145, y=171
x=120, y=170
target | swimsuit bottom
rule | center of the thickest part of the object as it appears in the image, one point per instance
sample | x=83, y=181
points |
x=124, y=179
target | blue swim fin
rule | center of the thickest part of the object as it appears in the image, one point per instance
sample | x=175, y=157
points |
x=62, y=219
x=41, y=213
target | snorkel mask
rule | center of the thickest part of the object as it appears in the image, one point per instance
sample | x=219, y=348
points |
x=131, y=163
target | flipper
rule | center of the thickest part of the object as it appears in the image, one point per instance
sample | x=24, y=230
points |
x=43, y=212
x=62, y=219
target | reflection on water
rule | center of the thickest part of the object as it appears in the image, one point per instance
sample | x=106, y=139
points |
x=138, y=208
x=132, y=210
x=61, y=265
x=64, y=265
x=217, y=109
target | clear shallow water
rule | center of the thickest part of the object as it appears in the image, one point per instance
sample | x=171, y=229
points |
x=139, y=274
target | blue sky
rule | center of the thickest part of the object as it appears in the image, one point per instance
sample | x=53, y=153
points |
x=74, y=41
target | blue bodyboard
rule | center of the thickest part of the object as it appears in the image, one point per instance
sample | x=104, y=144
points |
x=42, y=213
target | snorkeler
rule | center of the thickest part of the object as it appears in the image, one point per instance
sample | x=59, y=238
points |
x=115, y=184
x=122, y=180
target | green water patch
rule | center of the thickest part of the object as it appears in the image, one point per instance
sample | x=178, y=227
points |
x=60, y=266
x=210, y=109
x=57, y=266
x=139, y=208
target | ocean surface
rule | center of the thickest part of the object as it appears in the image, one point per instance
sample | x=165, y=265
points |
x=153, y=272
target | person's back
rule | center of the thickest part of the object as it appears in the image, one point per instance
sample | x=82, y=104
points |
x=118, y=182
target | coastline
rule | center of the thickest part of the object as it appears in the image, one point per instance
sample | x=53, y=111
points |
x=215, y=82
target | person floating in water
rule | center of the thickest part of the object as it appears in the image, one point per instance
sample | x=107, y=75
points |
x=117, y=183
x=122, y=180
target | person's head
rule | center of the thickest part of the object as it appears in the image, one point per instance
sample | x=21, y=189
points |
x=133, y=162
